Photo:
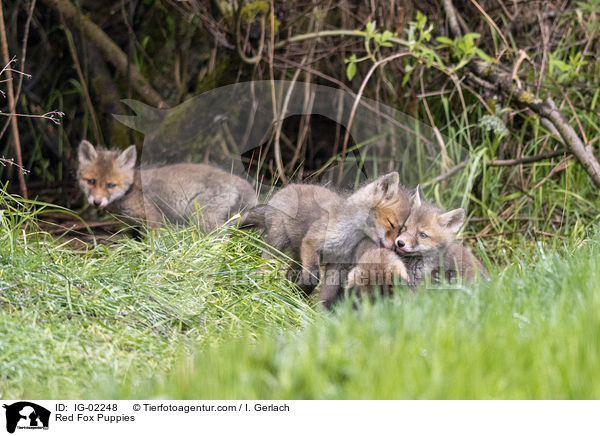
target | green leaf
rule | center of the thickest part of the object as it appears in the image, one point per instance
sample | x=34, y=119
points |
x=370, y=29
x=483, y=55
x=421, y=20
x=562, y=66
x=351, y=70
x=405, y=78
x=444, y=40
x=512, y=196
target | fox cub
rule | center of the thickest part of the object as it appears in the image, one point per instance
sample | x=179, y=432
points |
x=314, y=225
x=428, y=247
x=178, y=193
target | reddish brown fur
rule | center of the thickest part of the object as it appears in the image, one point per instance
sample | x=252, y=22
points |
x=427, y=244
x=425, y=219
x=104, y=171
x=392, y=217
x=179, y=193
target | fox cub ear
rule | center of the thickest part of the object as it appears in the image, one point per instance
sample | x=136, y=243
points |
x=127, y=158
x=452, y=220
x=86, y=152
x=417, y=196
x=387, y=185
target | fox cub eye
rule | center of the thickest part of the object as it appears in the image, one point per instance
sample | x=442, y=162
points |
x=110, y=185
x=423, y=235
x=91, y=182
x=391, y=224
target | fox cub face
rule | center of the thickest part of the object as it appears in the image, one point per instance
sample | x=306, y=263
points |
x=428, y=229
x=389, y=205
x=104, y=175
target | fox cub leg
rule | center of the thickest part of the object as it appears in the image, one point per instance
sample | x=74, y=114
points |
x=311, y=262
x=376, y=267
x=332, y=285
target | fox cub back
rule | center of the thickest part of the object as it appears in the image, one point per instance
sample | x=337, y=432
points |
x=178, y=193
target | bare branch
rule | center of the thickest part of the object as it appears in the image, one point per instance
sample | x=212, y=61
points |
x=452, y=20
x=53, y=116
x=12, y=104
x=546, y=109
x=495, y=74
x=4, y=162
x=527, y=159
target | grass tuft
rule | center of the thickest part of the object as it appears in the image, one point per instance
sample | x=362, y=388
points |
x=181, y=315
x=68, y=318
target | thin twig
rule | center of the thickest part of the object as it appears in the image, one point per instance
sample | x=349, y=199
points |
x=527, y=159
x=495, y=163
x=23, y=57
x=12, y=104
x=82, y=80
x=446, y=175
x=10, y=162
x=337, y=32
x=361, y=90
x=53, y=116
x=238, y=34
x=436, y=131
x=278, y=159
x=492, y=23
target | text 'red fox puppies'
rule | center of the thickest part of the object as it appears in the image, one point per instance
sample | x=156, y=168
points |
x=428, y=247
x=178, y=192
x=314, y=225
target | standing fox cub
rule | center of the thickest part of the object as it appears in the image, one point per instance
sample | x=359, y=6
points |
x=314, y=225
x=177, y=192
x=428, y=247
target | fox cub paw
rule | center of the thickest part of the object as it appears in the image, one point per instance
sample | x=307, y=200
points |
x=308, y=279
x=367, y=276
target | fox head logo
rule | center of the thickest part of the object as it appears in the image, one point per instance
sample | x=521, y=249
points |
x=25, y=414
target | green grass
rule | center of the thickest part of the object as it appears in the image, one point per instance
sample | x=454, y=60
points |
x=186, y=315
x=162, y=317
x=532, y=332
x=68, y=318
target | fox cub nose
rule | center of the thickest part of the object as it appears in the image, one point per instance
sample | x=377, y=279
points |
x=97, y=202
x=400, y=243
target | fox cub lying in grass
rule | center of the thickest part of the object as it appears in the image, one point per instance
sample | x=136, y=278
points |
x=179, y=193
x=427, y=247
x=314, y=225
